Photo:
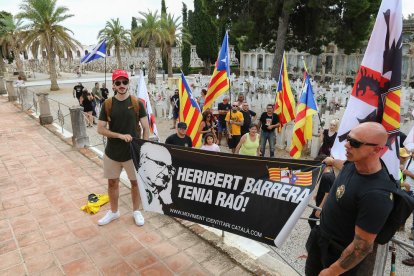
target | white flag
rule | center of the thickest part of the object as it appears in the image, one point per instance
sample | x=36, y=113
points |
x=376, y=93
x=144, y=97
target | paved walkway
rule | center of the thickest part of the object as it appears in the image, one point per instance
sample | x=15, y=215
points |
x=43, y=182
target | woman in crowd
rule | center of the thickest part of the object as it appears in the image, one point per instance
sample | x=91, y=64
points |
x=249, y=143
x=209, y=143
x=327, y=137
x=202, y=98
x=86, y=101
x=207, y=125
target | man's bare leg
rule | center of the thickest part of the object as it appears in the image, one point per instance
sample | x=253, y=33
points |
x=113, y=192
x=135, y=195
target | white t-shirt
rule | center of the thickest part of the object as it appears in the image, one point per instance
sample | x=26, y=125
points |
x=212, y=147
x=408, y=179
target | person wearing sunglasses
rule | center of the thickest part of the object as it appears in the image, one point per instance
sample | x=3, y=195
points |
x=234, y=120
x=120, y=128
x=356, y=208
x=155, y=174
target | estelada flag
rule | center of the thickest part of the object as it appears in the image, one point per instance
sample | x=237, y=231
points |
x=285, y=102
x=376, y=93
x=219, y=82
x=302, y=130
x=190, y=112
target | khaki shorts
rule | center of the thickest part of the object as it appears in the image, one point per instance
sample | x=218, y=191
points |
x=112, y=169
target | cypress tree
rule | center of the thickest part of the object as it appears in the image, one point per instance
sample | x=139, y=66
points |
x=185, y=47
x=204, y=35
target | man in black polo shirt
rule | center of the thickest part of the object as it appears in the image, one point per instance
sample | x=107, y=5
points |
x=249, y=117
x=357, y=206
x=180, y=138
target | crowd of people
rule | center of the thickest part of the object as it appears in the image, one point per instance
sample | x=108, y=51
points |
x=355, y=203
x=90, y=101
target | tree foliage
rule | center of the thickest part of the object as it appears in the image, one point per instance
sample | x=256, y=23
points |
x=116, y=36
x=44, y=31
x=204, y=33
x=164, y=54
x=185, y=47
x=311, y=23
x=11, y=34
x=150, y=34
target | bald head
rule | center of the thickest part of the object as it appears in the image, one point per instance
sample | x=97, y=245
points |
x=155, y=152
x=370, y=132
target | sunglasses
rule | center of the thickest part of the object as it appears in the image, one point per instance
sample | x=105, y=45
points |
x=235, y=106
x=170, y=168
x=124, y=82
x=357, y=144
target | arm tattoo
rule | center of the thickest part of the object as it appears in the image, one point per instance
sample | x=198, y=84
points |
x=350, y=257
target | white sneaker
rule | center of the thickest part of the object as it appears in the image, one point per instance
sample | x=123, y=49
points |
x=139, y=219
x=109, y=217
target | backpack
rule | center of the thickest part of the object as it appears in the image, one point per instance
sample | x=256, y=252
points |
x=403, y=208
x=135, y=104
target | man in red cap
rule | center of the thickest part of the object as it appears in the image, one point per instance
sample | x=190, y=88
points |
x=122, y=122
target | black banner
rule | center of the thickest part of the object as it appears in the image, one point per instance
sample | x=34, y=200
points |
x=253, y=197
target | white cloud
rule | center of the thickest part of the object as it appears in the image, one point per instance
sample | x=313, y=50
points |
x=91, y=15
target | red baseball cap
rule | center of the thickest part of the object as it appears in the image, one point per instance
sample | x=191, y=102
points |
x=119, y=73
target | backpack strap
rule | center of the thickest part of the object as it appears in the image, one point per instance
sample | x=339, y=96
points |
x=108, y=108
x=135, y=104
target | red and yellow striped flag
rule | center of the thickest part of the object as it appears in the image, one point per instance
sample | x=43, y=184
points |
x=274, y=173
x=189, y=112
x=302, y=178
x=391, y=116
x=302, y=131
x=285, y=102
x=219, y=82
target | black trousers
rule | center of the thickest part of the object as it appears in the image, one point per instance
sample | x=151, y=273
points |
x=312, y=223
x=322, y=252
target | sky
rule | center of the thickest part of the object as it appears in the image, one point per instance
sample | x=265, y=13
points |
x=90, y=15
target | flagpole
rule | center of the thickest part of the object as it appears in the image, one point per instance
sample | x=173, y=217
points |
x=105, y=69
x=280, y=73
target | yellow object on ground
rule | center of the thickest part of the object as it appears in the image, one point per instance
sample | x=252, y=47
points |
x=95, y=201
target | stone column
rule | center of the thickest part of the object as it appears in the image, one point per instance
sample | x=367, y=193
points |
x=11, y=91
x=79, y=139
x=2, y=87
x=24, y=97
x=45, y=116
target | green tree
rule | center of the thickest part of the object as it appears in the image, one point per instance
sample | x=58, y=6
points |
x=163, y=8
x=134, y=26
x=11, y=33
x=116, y=36
x=149, y=33
x=171, y=29
x=4, y=47
x=204, y=33
x=44, y=29
x=306, y=25
x=164, y=53
x=185, y=46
